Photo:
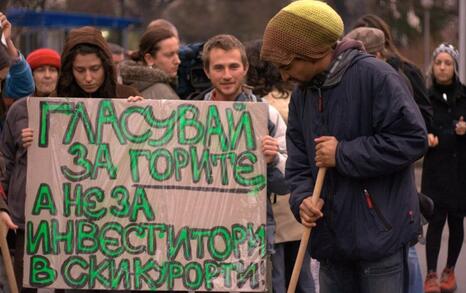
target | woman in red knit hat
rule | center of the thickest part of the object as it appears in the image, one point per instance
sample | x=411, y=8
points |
x=45, y=64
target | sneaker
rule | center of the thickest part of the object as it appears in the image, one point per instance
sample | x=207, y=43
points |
x=431, y=283
x=448, y=281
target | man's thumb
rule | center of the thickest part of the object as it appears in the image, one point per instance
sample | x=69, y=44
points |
x=11, y=225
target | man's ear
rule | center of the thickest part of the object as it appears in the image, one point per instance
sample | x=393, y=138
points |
x=380, y=55
x=149, y=59
x=206, y=71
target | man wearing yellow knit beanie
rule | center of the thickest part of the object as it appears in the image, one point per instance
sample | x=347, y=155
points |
x=353, y=115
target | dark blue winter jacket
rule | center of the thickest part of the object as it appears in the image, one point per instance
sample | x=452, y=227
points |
x=19, y=82
x=371, y=207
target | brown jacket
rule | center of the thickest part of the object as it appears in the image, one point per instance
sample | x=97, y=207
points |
x=13, y=180
x=125, y=91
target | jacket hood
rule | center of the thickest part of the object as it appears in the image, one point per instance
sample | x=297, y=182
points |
x=86, y=35
x=346, y=53
x=141, y=76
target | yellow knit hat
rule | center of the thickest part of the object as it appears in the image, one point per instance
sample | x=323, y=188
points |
x=304, y=28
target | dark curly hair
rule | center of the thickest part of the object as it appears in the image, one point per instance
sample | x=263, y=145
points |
x=67, y=85
x=263, y=76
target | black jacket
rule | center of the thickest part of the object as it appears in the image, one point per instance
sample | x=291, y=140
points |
x=416, y=80
x=371, y=207
x=444, y=173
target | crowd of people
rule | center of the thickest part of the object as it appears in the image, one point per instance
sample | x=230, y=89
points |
x=351, y=104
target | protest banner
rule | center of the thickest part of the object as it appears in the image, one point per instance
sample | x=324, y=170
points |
x=154, y=195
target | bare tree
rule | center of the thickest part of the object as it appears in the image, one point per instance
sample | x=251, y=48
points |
x=30, y=4
x=3, y=4
x=92, y=6
x=148, y=10
x=198, y=20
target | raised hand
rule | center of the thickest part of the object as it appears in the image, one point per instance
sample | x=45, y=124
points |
x=6, y=27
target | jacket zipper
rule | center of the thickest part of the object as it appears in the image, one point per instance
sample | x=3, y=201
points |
x=371, y=205
x=328, y=181
x=321, y=101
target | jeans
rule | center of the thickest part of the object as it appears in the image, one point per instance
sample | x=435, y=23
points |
x=386, y=275
x=415, y=274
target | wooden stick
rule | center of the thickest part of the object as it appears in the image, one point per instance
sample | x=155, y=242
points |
x=306, y=234
x=7, y=258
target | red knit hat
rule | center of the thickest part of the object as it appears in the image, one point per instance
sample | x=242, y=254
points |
x=42, y=57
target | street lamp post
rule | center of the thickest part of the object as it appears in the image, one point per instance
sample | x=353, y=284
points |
x=462, y=40
x=427, y=5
